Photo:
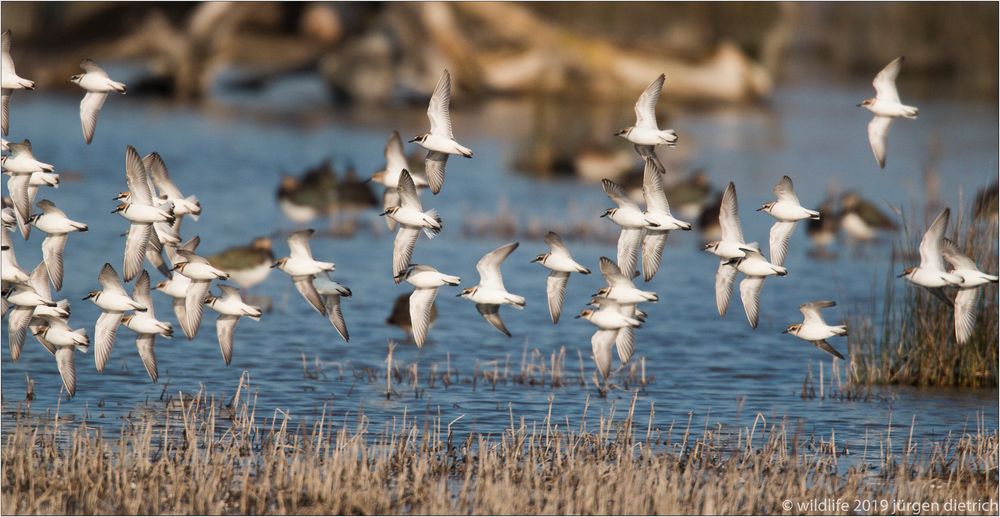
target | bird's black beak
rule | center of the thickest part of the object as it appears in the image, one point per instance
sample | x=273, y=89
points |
x=858, y=105
x=410, y=141
x=536, y=259
x=784, y=331
x=759, y=209
x=901, y=275
x=383, y=213
x=459, y=295
x=577, y=316
x=605, y=214
x=274, y=265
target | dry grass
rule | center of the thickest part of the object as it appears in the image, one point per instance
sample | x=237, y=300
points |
x=915, y=342
x=202, y=456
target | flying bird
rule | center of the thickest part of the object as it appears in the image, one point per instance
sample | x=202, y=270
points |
x=490, y=293
x=426, y=280
x=814, y=328
x=787, y=210
x=331, y=293
x=113, y=302
x=231, y=308
x=200, y=272
x=56, y=226
x=141, y=213
x=146, y=326
x=301, y=266
x=21, y=166
x=440, y=142
x=633, y=223
x=97, y=84
x=10, y=81
x=646, y=134
x=728, y=248
x=560, y=264
x=412, y=219
x=967, y=297
x=658, y=214
x=886, y=106
x=395, y=164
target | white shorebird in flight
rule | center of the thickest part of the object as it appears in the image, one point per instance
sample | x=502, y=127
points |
x=967, y=297
x=412, y=219
x=56, y=226
x=231, y=308
x=303, y=268
x=886, y=106
x=646, y=133
x=657, y=213
x=200, y=272
x=440, y=142
x=560, y=265
x=787, y=210
x=395, y=164
x=490, y=293
x=728, y=248
x=114, y=302
x=756, y=268
x=146, y=326
x=633, y=223
x=97, y=84
x=141, y=212
x=21, y=165
x=609, y=320
x=931, y=273
x=9, y=81
x=426, y=280
x=814, y=328
x=331, y=293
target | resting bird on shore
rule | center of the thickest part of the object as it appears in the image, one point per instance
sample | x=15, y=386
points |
x=247, y=265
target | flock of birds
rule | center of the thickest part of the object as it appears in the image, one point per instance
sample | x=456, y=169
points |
x=154, y=208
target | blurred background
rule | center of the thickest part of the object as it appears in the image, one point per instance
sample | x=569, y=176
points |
x=275, y=114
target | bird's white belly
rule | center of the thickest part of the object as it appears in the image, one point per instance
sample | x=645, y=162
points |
x=426, y=280
x=729, y=250
x=43, y=179
x=888, y=109
x=60, y=337
x=816, y=332
x=114, y=302
x=302, y=267
x=664, y=221
x=53, y=224
x=93, y=83
x=645, y=136
x=930, y=278
x=22, y=165
x=442, y=144
x=233, y=308
x=411, y=217
x=562, y=263
x=247, y=278
x=630, y=295
x=143, y=324
x=491, y=296
x=788, y=212
x=144, y=214
x=25, y=299
x=972, y=278
x=629, y=218
x=176, y=287
x=44, y=310
x=756, y=267
x=608, y=319
x=200, y=271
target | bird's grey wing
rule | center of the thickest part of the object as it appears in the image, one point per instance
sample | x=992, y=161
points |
x=965, y=313
x=90, y=106
x=298, y=243
x=145, y=344
x=555, y=243
x=421, y=302
x=645, y=107
x=7, y=62
x=725, y=276
x=407, y=191
x=781, y=233
x=136, y=177
x=390, y=198
x=17, y=186
x=48, y=207
x=334, y=314
x=136, y=243
x=729, y=215
x=648, y=154
x=105, y=331
x=750, y=295
x=89, y=66
x=39, y=281
x=141, y=293
x=154, y=254
x=225, y=326
x=5, y=100
x=827, y=347
x=811, y=311
x=304, y=284
x=395, y=155
x=617, y=194
x=488, y=267
x=178, y=304
x=438, y=110
x=600, y=346
x=652, y=188
x=613, y=274
x=878, y=134
x=160, y=176
x=109, y=280
x=67, y=369
x=194, y=306
x=492, y=314
x=52, y=255
x=955, y=257
x=555, y=289
x=785, y=191
x=885, y=81
x=932, y=244
x=625, y=344
x=402, y=249
x=434, y=165
x=628, y=249
x=652, y=252
x=46, y=344
x=17, y=327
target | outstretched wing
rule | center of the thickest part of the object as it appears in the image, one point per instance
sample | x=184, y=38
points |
x=645, y=107
x=750, y=295
x=492, y=314
x=885, y=81
x=438, y=111
x=555, y=290
x=489, y=266
x=878, y=135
